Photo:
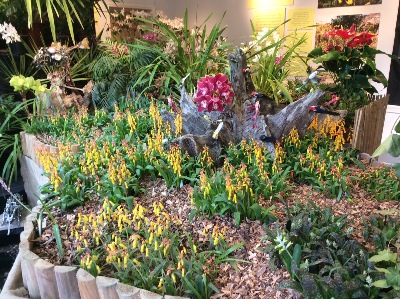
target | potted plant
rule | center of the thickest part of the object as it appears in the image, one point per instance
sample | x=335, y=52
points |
x=349, y=59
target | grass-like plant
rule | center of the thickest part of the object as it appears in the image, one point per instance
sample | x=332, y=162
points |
x=181, y=52
x=269, y=56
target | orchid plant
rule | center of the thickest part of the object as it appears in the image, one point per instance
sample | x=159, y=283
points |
x=269, y=56
x=9, y=33
x=350, y=61
x=214, y=93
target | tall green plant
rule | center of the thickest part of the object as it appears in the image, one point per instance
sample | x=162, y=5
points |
x=114, y=74
x=181, y=52
x=271, y=55
x=10, y=144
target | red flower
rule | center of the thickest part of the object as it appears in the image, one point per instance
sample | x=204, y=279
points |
x=346, y=34
x=213, y=92
x=151, y=36
x=360, y=40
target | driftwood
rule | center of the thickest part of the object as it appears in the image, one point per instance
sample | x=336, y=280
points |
x=238, y=119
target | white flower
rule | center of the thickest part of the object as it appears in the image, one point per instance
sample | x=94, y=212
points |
x=283, y=243
x=141, y=14
x=276, y=36
x=9, y=33
x=368, y=280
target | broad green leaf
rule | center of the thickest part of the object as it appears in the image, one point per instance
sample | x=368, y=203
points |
x=332, y=55
x=384, y=255
x=297, y=254
x=380, y=284
x=393, y=279
x=390, y=145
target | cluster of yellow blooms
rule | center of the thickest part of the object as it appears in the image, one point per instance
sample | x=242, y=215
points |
x=280, y=156
x=157, y=135
x=205, y=159
x=314, y=163
x=118, y=173
x=237, y=182
x=139, y=233
x=178, y=124
x=332, y=129
x=49, y=161
x=131, y=121
x=94, y=158
x=205, y=185
x=174, y=158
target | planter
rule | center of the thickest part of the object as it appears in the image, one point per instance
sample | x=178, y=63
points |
x=33, y=277
x=31, y=168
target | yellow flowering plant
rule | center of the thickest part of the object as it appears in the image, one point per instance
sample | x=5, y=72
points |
x=148, y=248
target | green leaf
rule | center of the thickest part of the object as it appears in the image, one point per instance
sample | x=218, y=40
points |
x=393, y=279
x=129, y=202
x=384, y=255
x=192, y=214
x=332, y=55
x=386, y=212
x=315, y=53
x=383, y=270
x=236, y=216
x=390, y=145
x=382, y=284
x=57, y=235
x=297, y=254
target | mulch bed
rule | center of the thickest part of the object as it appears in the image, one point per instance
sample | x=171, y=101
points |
x=256, y=278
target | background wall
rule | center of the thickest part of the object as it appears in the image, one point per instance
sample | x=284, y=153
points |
x=237, y=18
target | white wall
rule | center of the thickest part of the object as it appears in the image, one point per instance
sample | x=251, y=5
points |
x=238, y=17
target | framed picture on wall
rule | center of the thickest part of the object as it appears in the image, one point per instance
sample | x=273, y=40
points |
x=121, y=23
x=346, y=3
x=363, y=23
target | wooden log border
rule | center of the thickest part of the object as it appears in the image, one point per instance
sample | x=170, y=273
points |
x=31, y=148
x=37, y=278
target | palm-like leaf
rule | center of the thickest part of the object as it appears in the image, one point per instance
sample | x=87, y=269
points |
x=70, y=8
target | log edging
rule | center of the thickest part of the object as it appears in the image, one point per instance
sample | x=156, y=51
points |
x=33, y=148
x=34, y=277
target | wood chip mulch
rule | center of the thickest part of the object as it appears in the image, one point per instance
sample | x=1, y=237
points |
x=253, y=279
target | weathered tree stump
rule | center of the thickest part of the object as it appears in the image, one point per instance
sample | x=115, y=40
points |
x=238, y=120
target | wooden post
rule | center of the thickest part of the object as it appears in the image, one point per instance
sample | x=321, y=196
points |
x=46, y=279
x=87, y=285
x=107, y=287
x=29, y=275
x=67, y=283
x=125, y=291
x=144, y=294
x=23, y=142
